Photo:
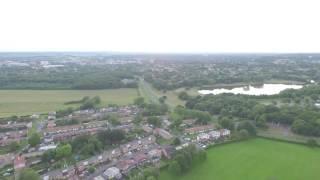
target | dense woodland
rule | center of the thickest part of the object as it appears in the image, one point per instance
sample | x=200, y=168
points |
x=69, y=77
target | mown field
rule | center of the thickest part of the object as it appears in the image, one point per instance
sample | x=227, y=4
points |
x=24, y=102
x=256, y=159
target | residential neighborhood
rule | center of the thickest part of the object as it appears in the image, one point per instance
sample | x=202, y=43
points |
x=148, y=145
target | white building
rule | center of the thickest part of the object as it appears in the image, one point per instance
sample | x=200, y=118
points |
x=45, y=148
x=215, y=134
x=203, y=137
x=225, y=132
x=112, y=173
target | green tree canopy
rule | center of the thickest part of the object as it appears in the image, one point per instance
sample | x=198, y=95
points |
x=28, y=174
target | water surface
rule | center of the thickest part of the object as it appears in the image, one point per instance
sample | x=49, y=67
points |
x=265, y=89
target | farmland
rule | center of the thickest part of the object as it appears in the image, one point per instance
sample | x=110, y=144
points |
x=24, y=102
x=256, y=159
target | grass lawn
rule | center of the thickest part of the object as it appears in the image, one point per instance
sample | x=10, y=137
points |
x=24, y=102
x=256, y=159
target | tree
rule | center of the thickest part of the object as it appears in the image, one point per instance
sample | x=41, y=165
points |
x=243, y=134
x=151, y=171
x=174, y=168
x=138, y=118
x=202, y=155
x=96, y=100
x=155, y=109
x=14, y=146
x=162, y=99
x=312, y=142
x=226, y=123
x=176, y=141
x=183, y=162
x=91, y=169
x=183, y=96
x=34, y=139
x=151, y=178
x=262, y=121
x=138, y=176
x=114, y=120
x=49, y=155
x=110, y=137
x=154, y=121
x=63, y=151
x=139, y=101
x=247, y=125
x=28, y=174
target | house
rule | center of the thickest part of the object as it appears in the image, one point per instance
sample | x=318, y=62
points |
x=51, y=124
x=115, y=153
x=147, y=129
x=98, y=178
x=45, y=148
x=52, y=115
x=125, y=165
x=6, y=159
x=19, y=162
x=168, y=151
x=189, y=122
x=215, y=134
x=139, y=158
x=35, y=116
x=155, y=153
x=29, y=125
x=163, y=133
x=165, y=122
x=225, y=132
x=203, y=137
x=199, y=129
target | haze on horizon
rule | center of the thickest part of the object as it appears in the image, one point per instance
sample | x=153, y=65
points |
x=160, y=26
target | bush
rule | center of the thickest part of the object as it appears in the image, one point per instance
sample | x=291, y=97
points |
x=312, y=142
x=243, y=133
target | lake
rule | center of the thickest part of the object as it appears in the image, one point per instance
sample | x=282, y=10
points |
x=265, y=89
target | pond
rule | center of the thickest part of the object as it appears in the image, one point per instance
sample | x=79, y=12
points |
x=265, y=89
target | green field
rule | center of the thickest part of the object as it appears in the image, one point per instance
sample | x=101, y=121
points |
x=24, y=102
x=256, y=159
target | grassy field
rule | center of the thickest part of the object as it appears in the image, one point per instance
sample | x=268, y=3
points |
x=256, y=159
x=24, y=102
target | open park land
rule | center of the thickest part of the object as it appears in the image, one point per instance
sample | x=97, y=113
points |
x=256, y=159
x=26, y=102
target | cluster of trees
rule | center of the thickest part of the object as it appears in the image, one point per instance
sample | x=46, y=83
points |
x=185, y=159
x=86, y=146
x=180, y=113
x=90, y=103
x=223, y=104
x=184, y=96
x=34, y=139
x=70, y=76
x=111, y=137
x=248, y=69
x=63, y=151
x=155, y=109
x=303, y=119
x=152, y=109
x=28, y=174
x=149, y=173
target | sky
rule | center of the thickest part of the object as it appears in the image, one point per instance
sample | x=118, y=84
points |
x=205, y=26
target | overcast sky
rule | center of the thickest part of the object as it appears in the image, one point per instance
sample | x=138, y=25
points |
x=160, y=26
